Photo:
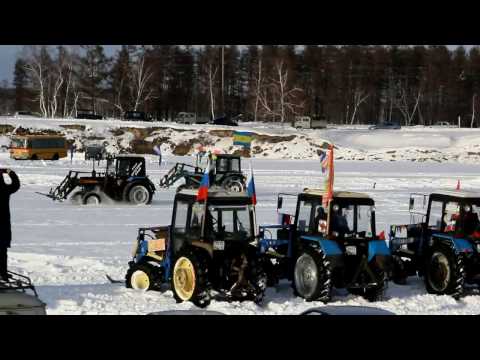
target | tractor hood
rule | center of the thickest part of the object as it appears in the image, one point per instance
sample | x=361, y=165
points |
x=13, y=302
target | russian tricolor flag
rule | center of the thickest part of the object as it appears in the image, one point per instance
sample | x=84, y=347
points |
x=251, y=189
x=204, y=185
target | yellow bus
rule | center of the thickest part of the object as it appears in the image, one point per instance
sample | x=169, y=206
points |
x=36, y=147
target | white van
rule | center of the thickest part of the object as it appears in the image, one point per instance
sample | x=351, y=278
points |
x=306, y=122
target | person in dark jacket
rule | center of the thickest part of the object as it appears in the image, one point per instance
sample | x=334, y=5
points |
x=5, y=228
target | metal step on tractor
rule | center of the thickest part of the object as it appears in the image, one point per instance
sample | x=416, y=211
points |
x=124, y=179
x=441, y=243
x=207, y=252
x=18, y=296
x=227, y=173
x=319, y=248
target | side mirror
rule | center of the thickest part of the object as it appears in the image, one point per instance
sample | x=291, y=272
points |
x=412, y=201
x=279, y=202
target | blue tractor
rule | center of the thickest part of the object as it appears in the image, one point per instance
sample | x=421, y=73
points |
x=442, y=245
x=319, y=248
x=207, y=252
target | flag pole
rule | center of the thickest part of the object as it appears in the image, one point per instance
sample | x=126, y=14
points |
x=205, y=206
x=255, y=230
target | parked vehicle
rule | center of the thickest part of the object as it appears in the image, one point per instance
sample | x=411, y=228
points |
x=207, y=248
x=444, y=247
x=124, y=179
x=137, y=116
x=225, y=120
x=36, y=147
x=386, y=126
x=20, y=114
x=18, y=296
x=88, y=114
x=306, y=122
x=228, y=174
x=317, y=248
x=95, y=152
x=443, y=124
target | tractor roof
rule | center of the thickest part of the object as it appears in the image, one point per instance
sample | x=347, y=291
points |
x=129, y=156
x=457, y=194
x=215, y=195
x=227, y=156
x=337, y=194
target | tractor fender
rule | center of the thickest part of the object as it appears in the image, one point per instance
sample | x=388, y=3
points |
x=329, y=247
x=460, y=245
x=377, y=247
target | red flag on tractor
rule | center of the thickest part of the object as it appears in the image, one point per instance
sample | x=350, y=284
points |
x=328, y=194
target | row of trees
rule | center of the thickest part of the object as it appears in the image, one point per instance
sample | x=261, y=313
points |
x=346, y=84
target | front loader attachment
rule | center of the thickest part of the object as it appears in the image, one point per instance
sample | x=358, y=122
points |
x=68, y=184
x=180, y=170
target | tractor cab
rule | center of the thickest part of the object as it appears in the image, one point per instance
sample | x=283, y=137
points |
x=225, y=163
x=317, y=247
x=208, y=250
x=447, y=234
x=126, y=166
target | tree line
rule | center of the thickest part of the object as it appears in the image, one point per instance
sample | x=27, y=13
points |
x=350, y=84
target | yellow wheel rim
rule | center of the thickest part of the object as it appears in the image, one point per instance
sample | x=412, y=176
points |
x=184, y=278
x=140, y=280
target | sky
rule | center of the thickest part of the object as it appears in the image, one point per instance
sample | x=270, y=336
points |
x=8, y=56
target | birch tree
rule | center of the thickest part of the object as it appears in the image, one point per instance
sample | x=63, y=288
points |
x=140, y=89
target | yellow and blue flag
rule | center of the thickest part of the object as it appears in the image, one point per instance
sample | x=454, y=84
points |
x=243, y=138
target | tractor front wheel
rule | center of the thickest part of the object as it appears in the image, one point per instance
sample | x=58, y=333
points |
x=189, y=278
x=76, y=198
x=312, y=276
x=140, y=277
x=444, y=271
x=139, y=195
x=92, y=199
x=234, y=185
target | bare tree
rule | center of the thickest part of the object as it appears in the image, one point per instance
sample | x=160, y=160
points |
x=474, y=97
x=212, y=72
x=283, y=99
x=36, y=70
x=258, y=83
x=407, y=105
x=359, y=97
x=141, y=76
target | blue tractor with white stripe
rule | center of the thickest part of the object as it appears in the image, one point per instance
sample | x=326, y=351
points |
x=443, y=245
x=318, y=248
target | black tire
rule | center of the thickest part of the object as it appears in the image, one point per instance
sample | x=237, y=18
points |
x=234, y=184
x=147, y=270
x=138, y=194
x=444, y=271
x=76, y=197
x=55, y=157
x=312, y=276
x=200, y=293
x=91, y=199
x=34, y=157
x=259, y=281
x=399, y=275
x=376, y=293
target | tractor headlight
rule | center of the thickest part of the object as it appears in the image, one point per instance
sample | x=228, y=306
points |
x=478, y=247
x=351, y=250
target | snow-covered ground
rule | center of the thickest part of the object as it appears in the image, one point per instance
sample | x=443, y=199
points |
x=67, y=249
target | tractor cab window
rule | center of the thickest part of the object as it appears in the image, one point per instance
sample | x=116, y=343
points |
x=435, y=219
x=320, y=220
x=222, y=165
x=451, y=216
x=229, y=223
x=352, y=220
x=235, y=165
x=304, y=217
x=19, y=143
x=471, y=222
x=123, y=166
x=180, y=227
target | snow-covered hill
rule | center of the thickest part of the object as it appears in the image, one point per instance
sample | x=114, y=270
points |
x=416, y=144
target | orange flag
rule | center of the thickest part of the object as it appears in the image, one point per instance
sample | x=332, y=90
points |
x=328, y=195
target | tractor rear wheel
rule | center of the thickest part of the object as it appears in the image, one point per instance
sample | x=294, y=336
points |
x=444, y=271
x=55, y=157
x=312, y=276
x=139, y=195
x=189, y=278
x=374, y=293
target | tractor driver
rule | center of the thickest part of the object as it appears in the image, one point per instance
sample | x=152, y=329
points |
x=339, y=222
x=320, y=221
x=470, y=221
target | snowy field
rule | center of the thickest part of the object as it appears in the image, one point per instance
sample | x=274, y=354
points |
x=67, y=249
